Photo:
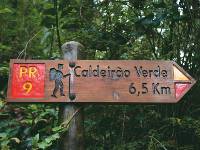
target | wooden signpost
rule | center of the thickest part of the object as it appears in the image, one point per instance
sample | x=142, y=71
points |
x=97, y=81
x=74, y=82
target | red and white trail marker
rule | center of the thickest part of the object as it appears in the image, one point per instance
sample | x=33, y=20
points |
x=183, y=82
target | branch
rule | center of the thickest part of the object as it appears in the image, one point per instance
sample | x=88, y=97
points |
x=24, y=50
x=57, y=27
x=158, y=142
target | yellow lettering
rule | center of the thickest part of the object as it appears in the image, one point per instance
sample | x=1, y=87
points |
x=27, y=86
x=22, y=70
x=32, y=71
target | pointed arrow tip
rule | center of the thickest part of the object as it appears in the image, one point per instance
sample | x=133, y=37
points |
x=183, y=81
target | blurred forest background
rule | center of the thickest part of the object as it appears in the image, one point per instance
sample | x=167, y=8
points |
x=109, y=29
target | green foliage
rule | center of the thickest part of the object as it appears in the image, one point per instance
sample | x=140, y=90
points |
x=159, y=29
x=34, y=127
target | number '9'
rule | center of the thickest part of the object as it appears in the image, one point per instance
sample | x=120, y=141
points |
x=27, y=86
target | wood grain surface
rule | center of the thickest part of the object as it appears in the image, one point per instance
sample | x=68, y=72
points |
x=113, y=81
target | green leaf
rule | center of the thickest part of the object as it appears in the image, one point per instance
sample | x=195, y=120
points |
x=52, y=138
x=3, y=135
x=35, y=140
x=5, y=10
x=58, y=128
x=43, y=145
x=4, y=145
x=1, y=104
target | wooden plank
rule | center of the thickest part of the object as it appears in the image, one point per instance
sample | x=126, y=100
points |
x=113, y=81
x=73, y=138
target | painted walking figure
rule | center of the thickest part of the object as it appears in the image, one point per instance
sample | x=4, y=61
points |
x=57, y=75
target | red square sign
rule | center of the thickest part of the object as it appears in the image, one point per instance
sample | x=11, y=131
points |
x=28, y=80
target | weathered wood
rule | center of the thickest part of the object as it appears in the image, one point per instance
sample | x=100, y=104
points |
x=73, y=138
x=113, y=81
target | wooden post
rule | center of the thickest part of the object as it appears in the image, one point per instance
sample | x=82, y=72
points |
x=73, y=138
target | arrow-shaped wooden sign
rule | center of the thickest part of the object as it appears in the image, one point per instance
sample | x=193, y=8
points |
x=113, y=81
